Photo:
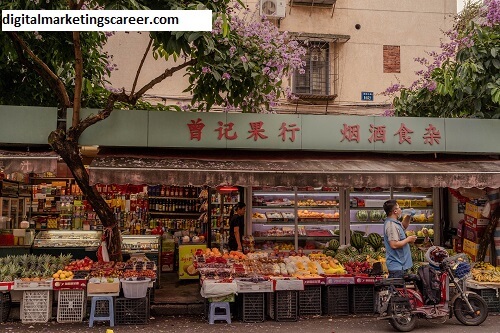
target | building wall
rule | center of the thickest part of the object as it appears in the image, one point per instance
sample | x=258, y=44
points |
x=415, y=26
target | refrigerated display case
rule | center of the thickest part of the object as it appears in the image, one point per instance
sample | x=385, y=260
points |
x=147, y=245
x=366, y=213
x=291, y=219
x=222, y=200
x=79, y=243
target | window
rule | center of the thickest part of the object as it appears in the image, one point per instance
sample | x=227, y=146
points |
x=315, y=80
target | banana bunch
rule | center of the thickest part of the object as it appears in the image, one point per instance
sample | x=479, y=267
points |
x=486, y=266
x=485, y=275
x=332, y=267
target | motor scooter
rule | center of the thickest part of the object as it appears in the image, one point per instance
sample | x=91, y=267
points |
x=402, y=301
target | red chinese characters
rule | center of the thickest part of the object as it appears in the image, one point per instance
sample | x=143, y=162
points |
x=224, y=130
x=431, y=135
x=404, y=134
x=256, y=131
x=195, y=128
x=284, y=129
x=351, y=133
x=378, y=133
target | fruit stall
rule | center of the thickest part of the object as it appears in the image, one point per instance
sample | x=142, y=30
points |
x=39, y=281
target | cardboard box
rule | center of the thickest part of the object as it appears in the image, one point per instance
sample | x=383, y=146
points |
x=288, y=284
x=102, y=286
x=471, y=249
x=473, y=235
x=474, y=210
x=476, y=223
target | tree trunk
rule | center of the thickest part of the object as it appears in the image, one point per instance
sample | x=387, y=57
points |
x=68, y=149
x=485, y=242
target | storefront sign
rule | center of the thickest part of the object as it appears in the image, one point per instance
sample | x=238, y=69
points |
x=220, y=130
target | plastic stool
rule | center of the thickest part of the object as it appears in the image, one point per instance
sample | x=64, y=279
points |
x=111, y=310
x=221, y=305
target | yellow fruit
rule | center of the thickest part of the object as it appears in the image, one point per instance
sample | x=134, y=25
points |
x=55, y=276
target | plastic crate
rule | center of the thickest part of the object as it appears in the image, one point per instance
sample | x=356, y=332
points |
x=5, y=303
x=71, y=306
x=33, y=285
x=131, y=311
x=283, y=305
x=362, y=299
x=36, y=306
x=310, y=301
x=491, y=298
x=335, y=300
x=251, y=307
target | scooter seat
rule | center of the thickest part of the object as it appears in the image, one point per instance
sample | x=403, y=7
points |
x=391, y=282
x=412, y=278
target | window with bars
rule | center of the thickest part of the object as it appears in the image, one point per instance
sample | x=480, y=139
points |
x=315, y=80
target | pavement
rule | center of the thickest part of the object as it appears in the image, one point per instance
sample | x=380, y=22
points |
x=190, y=324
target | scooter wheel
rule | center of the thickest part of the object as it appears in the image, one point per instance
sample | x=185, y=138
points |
x=463, y=313
x=404, y=324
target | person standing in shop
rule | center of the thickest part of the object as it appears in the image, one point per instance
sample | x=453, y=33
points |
x=397, y=244
x=237, y=227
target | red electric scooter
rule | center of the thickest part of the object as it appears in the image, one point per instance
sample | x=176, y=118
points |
x=402, y=301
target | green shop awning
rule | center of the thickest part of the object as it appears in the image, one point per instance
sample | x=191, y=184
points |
x=257, y=168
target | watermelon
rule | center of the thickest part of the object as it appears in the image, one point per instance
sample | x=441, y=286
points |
x=358, y=241
x=330, y=253
x=351, y=250
x=362, y=215
x=333, y=244
x=376, y=215
x=375, y=240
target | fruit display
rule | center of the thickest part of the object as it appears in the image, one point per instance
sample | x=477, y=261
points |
x=84, y=264
x=485, y=272
x=31, y=267
x=63, y=275
x=354, y=267
x=377, y=215
x=362, y=215
x=317, y=203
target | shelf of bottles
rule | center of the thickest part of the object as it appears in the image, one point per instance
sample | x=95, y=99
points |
x=367, y=215
x=174, y=208
x=283, y=218
x=221, y=204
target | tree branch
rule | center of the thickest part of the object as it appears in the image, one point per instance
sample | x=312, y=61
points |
x=74, y=132
x=41, y=68
x=77, y=98
x=159, y=78
x=140, y=65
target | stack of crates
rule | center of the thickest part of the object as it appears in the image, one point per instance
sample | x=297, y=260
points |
x=71, y=306
x=36, y=306
x=131, y=311
x=5, y=303
x=283, y=305
x=491, y=298
x=362, y=299
x=335, y=300
x=251, y=307
x=310, y=301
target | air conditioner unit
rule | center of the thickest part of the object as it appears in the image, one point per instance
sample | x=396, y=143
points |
x=273, y=8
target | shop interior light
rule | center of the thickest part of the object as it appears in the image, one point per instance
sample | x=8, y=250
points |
x=227, y=188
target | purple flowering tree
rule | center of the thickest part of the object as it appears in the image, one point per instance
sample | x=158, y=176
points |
x=463, y=80
x=239, y=65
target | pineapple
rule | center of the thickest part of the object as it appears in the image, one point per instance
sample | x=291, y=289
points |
x=31, y=261
x=24, y=274
x=12, y=272
x=3, y=272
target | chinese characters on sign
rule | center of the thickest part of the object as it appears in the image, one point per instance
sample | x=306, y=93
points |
x=351, y=133
x=257, y=131
x=226, y=131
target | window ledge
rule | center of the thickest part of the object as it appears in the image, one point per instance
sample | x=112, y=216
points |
x=312, y=97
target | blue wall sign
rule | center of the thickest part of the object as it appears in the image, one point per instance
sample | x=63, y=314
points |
x=367, y=95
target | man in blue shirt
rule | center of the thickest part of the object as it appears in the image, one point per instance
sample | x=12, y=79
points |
x=397, y=247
